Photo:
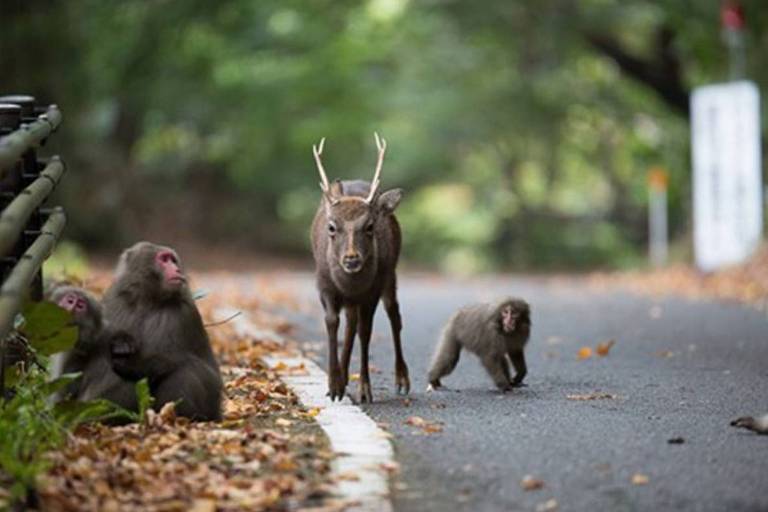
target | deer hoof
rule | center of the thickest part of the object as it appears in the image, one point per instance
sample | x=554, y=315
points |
x=365, y=393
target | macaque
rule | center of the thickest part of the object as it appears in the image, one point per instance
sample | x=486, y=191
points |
x=492, y=332
x=157, y=333
x=759, y=425
x=87, y=316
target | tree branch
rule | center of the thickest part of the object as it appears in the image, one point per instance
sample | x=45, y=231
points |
x=661, y=72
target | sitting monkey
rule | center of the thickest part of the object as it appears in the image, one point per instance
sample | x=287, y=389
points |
x=492, y=332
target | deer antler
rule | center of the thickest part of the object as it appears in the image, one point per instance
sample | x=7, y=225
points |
x=317, y=151
x=382, y=145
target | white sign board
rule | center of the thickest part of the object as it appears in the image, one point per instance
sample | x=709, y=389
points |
x=727, y=182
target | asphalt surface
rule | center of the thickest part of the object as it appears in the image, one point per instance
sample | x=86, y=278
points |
x=679, y=369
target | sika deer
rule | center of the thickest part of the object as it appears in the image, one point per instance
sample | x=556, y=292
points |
x=356, y=243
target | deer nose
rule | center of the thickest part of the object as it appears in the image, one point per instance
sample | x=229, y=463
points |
x=352, y=262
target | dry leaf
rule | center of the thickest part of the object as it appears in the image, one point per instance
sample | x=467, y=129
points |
x=604, y=347
x=593, y=396
x=640, y=479
x=203, y=505
x=548, y=506
x=584, y=353
x=529, y=483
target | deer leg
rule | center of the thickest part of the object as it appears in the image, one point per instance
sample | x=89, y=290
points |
x=349, y=341
x=336, y=384
x=364, y=327
x=402, y=382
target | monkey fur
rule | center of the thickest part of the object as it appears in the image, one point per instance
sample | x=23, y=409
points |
x=157, y=333
x=491, y=331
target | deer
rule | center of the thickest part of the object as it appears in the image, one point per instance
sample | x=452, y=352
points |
x=356, y=243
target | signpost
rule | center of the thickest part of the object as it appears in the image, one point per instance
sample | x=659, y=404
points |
x=727, y=183
x=657, y=216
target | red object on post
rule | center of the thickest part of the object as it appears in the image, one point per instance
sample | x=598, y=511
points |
x=732, y=15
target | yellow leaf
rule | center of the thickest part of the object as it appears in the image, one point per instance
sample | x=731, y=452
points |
x=584, y=353
x=640, y=479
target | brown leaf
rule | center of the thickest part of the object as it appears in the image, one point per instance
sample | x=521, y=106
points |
x=604, y=347
x=529, y=483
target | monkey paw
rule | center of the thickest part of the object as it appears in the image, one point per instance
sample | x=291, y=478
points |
x=365, y=393
x=122, y=344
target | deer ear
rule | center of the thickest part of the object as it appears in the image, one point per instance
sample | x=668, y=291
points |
x=336, y=190
x=388, y=201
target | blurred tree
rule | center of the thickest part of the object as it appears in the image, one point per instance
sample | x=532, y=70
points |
x=522, y=131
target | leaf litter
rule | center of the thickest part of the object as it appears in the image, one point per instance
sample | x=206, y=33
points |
x=267, y=453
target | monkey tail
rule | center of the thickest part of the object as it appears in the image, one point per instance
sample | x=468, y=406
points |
x=446, y=356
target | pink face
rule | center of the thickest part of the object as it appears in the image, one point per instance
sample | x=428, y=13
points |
x=168, y=263
x=508, y=319
x=74, y=303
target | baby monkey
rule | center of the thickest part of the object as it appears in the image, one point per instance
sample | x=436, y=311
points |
x=492, y=332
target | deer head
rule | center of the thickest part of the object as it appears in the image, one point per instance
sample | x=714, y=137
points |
x=354, y=224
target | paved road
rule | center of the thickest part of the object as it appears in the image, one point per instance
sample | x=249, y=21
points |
x=679, y=368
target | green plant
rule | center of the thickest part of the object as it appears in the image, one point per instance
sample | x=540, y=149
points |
x=31, y=424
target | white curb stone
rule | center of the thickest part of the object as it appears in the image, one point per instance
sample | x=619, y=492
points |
x=362, y=449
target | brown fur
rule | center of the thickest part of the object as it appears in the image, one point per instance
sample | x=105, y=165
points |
x=369, y=237
x=157, y=333
x=479, y=329
x=90, y=327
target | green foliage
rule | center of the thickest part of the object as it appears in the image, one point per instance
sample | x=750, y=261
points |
x=30, y=426
x=30, y=423
x=198, y=117
x=48, y=328
x=145, y=399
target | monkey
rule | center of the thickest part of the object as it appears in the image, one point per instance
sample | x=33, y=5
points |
x=87, y=316
x=156, y=332
x=759, y=425
x=492, y=332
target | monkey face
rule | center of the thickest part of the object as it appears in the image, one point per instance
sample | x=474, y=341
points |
x=154, y=269
x=167, y=263
x=85, y=310
x=352, y=227
x=512, y=315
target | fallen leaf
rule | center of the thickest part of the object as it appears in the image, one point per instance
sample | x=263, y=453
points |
x=597, y=395
x=676, y=440
x=640, y=479
x=529, y=483
x=548, y=506
x=203, y=505
x=604, y=347
x=426, y=426
x=665, y=353
x=584, y=353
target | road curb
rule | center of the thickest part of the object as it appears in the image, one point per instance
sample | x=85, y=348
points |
x=364, y=453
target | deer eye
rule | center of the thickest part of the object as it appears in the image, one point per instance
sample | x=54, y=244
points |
x=369, y=228
x=331, y=228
